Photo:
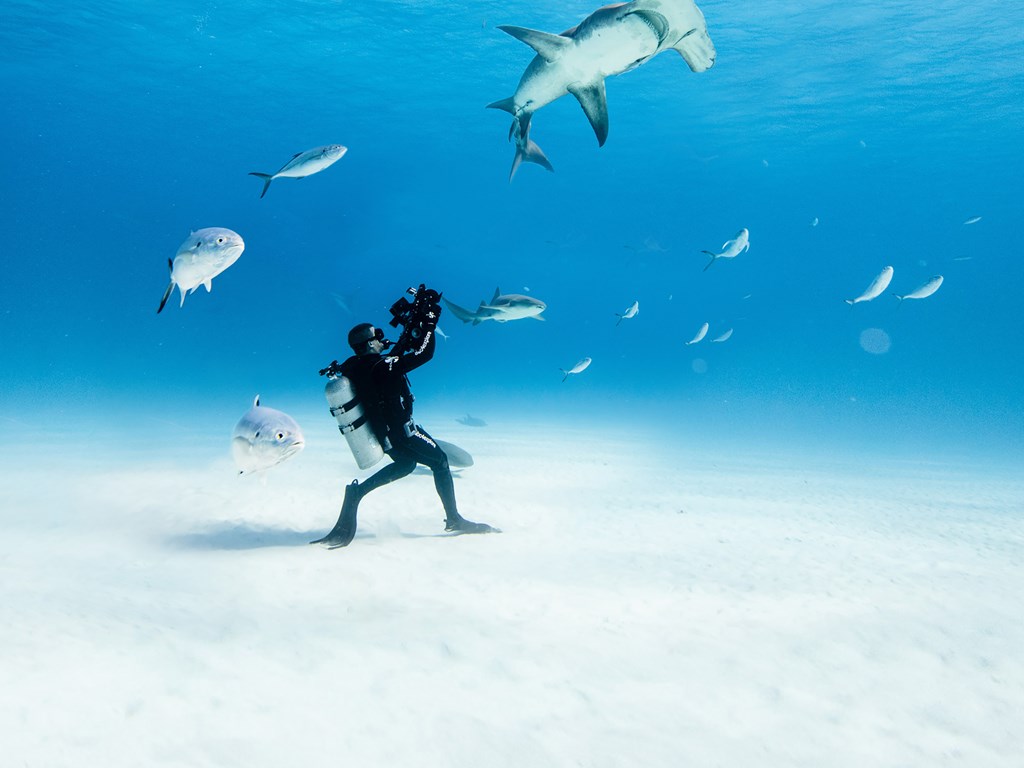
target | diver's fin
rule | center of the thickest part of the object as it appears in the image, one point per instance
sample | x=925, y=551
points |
x=547, y=45
x=595, y=105
x=267, y=178
x=345, y=529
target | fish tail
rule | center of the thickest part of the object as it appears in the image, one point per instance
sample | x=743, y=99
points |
x=713, y=257
x=267, y=178
x=851, y=302
x=170, y=287
x=167, y=295
x=566, y=376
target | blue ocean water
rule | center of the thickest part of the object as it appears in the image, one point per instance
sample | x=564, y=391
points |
x=127, y=125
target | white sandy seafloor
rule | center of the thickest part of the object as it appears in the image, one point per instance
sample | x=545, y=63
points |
x=641, y=608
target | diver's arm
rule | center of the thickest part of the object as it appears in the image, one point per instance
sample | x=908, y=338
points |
x=419, y=353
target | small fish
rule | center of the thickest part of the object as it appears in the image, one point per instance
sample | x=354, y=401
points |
x=581, y=366
x=441, y=333
x=879, y=284
x=731, y=248
x=204, y=255
x=724, y=337
x=631, y=312
x=814, y=221
x=304, y=164
x=963, y=258
x=972, y=220
x=923, y=291
x=263, y=438
x=700, y=335
x=471, y=421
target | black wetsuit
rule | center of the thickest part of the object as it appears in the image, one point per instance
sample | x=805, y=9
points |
x=380, y=382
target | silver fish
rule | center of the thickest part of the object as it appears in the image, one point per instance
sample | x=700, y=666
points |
x=731, y=248
x=972, y=220
x=581, y=366
x=263, y=438
x=631, y=312
x=879, y=284
x=304, y=164
x=204, y=255
x=701, y=333
x=923, y=291
x=724, y=337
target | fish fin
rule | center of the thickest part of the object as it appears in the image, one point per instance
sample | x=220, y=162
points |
x=747, y=246
x=508, y=105
x=595, y=105
x=497, y=293
x=531, y=153
x=208, y=283
x=537, y=317
x=851, y=302
x=548, y=46
x=167, y=295
x=267, y=178
x=256, y=402
x=565, y=374
x=182, y=292
x=463, y=314
x=713, y=258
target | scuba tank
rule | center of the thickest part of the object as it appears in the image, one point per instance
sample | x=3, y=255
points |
x=352, y=422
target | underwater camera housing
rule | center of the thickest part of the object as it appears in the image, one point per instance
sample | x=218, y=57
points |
x=418, y=315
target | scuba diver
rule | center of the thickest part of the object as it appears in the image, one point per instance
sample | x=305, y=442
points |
x=379, y=416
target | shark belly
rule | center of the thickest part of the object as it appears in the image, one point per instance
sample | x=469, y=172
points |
x=610, y=49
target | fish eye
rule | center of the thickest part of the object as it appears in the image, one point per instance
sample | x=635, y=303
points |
x=280, y=435
x=199, y=243
x=220, y=239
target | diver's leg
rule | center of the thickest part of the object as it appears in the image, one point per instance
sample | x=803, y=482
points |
x=345, y=529
x=427, y=452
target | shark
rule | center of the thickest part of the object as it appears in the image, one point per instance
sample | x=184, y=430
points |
x=612, y=40
x=501, y=308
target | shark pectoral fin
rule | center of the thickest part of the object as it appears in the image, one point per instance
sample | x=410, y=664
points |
x=547, y=45
x=595, y=105
x=208, y=283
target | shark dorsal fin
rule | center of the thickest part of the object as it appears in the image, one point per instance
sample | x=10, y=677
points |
x=548, y=46
x=595, y=105
x=497, y=293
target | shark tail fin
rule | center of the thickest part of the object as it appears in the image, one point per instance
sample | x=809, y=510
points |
x=463, y=314
x=527, y=150
x=170, y=287
x=267, y=178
